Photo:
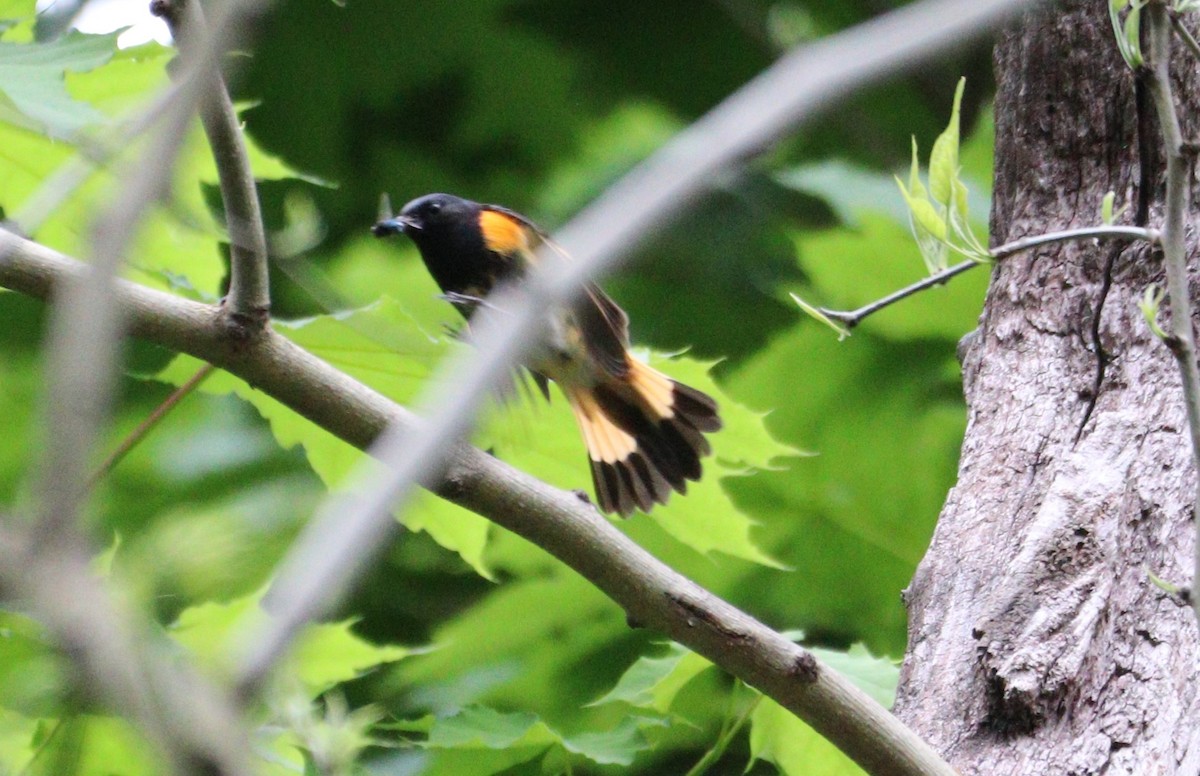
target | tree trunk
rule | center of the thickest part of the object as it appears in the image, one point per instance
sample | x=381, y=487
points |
x=1037, y=642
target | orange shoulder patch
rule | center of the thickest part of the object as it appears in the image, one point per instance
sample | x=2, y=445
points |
x=502, y=234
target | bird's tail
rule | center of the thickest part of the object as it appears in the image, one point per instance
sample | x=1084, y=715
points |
x=644, y=436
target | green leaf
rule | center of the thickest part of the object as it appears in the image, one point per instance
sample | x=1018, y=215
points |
x=617, y=746
x=653, y=682
x=487, y=728
x=1149, y=304
x=326, y=653
x=876, y=676
x=17, y=744
x=943, y=159
x=478, y=727
x=928, y=227
x=30, y=672
x=914, y=178
x=33, y=86
x=850, y=190
x=563, y=619
x=97, y=746
x=779, y=737
x=1133, y=44
x=1107, y=217
x=928, y=220
x=822, y=515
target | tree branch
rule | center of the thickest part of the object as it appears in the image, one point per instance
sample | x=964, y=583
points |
x=249, y=300
x=1182, y=341
x=851, y=318
x=558, y=521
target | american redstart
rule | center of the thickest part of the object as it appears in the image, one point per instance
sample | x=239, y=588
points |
x=644, y=431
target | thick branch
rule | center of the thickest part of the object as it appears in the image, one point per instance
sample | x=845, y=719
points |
x=558, y=521
x=249, y=300
x=1182, y=341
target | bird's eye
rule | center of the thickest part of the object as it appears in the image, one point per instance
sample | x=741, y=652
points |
x=434, y=207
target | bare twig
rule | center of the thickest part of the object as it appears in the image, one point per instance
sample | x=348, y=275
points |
x=851, y=318
x=1182, y=341
x=1001, y=252
x=249, y=300
x=146, y=426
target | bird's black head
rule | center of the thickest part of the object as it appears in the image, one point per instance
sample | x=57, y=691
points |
x=448, y=234
x=431, y=218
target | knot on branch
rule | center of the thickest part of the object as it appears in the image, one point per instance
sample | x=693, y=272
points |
x=805, y=668
x=245, y=327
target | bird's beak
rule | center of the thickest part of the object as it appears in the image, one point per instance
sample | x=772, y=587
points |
x=393, y=226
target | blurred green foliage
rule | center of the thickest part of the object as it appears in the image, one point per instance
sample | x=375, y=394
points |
x=466, y=649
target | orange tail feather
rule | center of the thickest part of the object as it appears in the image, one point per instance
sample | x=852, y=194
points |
x=644, y=435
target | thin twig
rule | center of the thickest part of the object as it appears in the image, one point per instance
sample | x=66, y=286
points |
x=249, y=300
x=851, y=318
x=144, y=428
x=1002, y=252
x=1182, y=341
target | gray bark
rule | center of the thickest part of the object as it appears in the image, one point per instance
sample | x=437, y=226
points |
x=1037, y=642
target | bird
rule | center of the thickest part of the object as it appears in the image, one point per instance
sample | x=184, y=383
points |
x=644, y=432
